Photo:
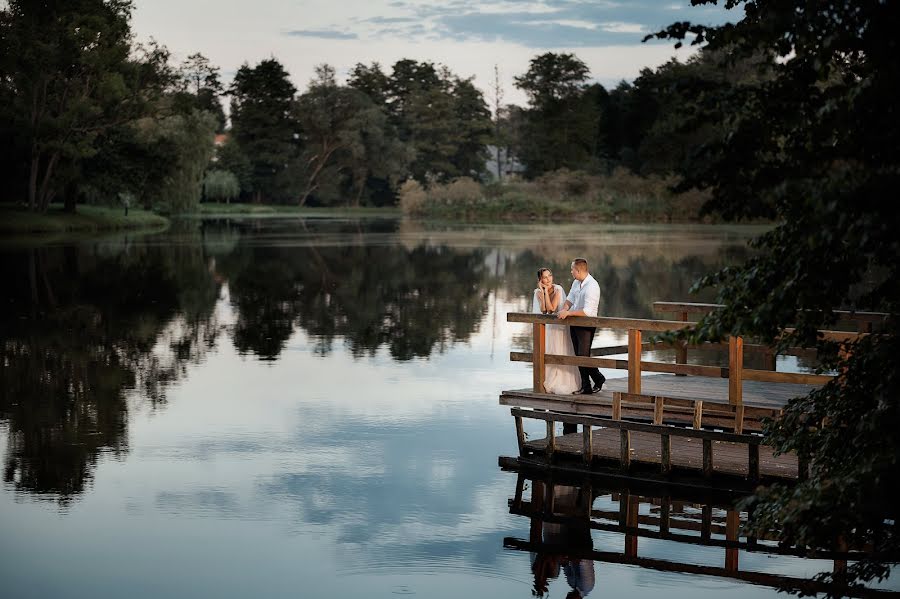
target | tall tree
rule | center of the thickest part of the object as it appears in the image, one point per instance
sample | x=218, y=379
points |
x=561, y=121
x=264, y=126
x=814, y=146
x=201, y=88
x=332, y=118
x=66, y=77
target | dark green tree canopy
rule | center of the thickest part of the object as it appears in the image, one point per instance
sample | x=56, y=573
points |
x=812, y=143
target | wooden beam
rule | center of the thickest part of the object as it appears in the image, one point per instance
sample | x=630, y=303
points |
x=698, y=415
x=540, y=343
x=681, y=348
x=587, y=449
x=664, y=516
x=732, y=527
x=687, y=369
x=658, y=403
x=735, y=370
x=643, y=324
x=706, y=522
x=520, y=435
x=675, y=431
x=753, y=462
x=665, y=453
x=625, y=449
x=739, y=419
x=551, y=438
x=601, y=322
x=634, y=360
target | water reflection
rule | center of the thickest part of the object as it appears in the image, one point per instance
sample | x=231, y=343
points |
x=93, y=331
x=80, y=328
x=655, y=526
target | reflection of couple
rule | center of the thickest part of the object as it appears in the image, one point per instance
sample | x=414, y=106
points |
x=562, y=540
x=583, y=300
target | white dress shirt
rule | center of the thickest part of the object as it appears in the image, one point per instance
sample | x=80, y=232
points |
x=585, y=295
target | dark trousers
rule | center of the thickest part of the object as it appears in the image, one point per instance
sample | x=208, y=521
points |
x=582, y=337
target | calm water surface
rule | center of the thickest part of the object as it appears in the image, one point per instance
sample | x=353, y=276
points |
x=303, y=408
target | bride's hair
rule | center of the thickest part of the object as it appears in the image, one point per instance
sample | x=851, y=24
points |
x=541, y=272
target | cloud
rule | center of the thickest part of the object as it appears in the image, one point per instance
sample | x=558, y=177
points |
x=322, y=33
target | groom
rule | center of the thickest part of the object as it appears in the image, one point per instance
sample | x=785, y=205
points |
x=583, y=300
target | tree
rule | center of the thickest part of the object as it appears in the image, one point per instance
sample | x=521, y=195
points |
x=200, y=88
x=562, y=122
x=189, y=140
x=372, y=81
x=263, y=125
x=221, y=185
x=66, y=77
x=499, y=141
x=331, y=117
x=813, y=146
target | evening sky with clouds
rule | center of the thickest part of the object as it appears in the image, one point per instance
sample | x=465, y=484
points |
x=468, y=37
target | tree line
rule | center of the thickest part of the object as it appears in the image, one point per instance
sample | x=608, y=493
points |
x=92, y=117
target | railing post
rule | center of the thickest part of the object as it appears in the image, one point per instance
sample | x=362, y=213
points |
x=735, y=370
x=540, y=345
x=681, y=347
x=634, y=360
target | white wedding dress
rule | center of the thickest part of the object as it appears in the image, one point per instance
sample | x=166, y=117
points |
x=561, y=380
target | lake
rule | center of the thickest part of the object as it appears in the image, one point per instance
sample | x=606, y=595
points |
x=307, y=407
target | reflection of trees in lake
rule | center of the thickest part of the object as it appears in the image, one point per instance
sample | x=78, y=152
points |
x=82, y=325
x=411, y=301
x=86, y=326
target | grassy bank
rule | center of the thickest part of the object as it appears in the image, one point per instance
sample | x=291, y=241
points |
x=562, y=196
x=15, y=220
x=276, y=210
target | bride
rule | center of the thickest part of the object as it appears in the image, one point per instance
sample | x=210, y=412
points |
x=550, y=299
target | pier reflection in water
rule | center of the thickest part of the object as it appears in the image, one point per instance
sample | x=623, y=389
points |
x=564, y=509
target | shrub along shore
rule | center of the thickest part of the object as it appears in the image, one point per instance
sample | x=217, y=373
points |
x=18, y=220
x=562, y=196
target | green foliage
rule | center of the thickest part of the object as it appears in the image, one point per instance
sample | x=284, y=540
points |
x=441, y=122
x=188, y=138
x=559, y=195
x=221, y=185
x=560, y=126
x=66, y=76
x=813, y=144
x=263, y=125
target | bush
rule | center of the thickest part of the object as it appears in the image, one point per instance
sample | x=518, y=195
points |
x=463, y=190
x=412, y=197
x=558, y=195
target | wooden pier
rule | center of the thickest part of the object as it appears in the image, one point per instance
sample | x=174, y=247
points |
x=679, y=419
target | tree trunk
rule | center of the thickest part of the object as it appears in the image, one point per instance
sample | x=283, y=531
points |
x=45, y=193
x=69, y=200
x=32, y=183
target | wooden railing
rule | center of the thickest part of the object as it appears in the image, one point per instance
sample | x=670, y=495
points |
x=865, y=321
x=735, y=372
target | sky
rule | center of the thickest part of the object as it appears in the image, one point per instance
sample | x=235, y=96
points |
x=468, y=37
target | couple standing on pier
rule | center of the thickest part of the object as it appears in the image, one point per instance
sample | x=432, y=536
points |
x=583, y=300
